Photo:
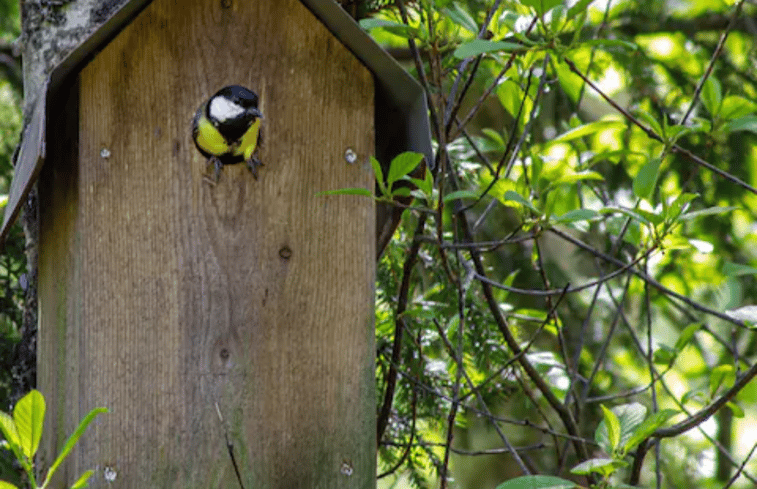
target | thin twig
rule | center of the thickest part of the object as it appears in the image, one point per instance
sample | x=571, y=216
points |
x=490, y=89
x=605, y=345
x=704, y=414
x=711, y=66
x=653, y=135
x=484, y=408
x=565, y=415
x=391, y=377
x=454, y=105
x=657, y=285
x=649, y=358
x=741, y=467
x=692, y=421
x=229, y=447
x=406, y=453
x=419, y=68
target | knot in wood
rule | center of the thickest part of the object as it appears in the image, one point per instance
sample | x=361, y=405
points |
x=285, y=252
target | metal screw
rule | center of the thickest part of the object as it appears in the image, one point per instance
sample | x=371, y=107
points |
x=350, y=156
x=346, y=468
x=110, y=474
x=105, y=153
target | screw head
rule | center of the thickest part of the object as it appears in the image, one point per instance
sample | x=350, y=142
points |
x=350, y=156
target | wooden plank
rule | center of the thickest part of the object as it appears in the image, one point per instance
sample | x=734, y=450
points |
x=58, y=292
x=253, y=295
x=28, y=164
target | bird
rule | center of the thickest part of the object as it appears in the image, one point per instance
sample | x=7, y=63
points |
x=227, y=129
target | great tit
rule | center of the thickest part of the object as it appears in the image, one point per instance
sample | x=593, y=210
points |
x=226, y=129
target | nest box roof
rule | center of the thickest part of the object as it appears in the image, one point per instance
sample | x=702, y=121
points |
x=401, y=123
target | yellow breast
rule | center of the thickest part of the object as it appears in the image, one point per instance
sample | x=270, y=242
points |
x=249, y=141
x=209, y=139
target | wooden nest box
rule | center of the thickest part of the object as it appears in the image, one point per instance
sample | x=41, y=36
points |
x=169, y=299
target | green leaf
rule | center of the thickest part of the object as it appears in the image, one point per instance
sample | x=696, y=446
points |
x=712, y=95
x=72, y=441
x=629, y=416
x=402, y=164
x=627, y=212
x=746, y=123
x=651, y=122
x=514, y=196
x=588, y=129
x=648, y=427
x=722, y=375
x=735, y=107
x=495, y=136
x=460, y=194
x=81, y=482
x=611, y=43
x=679, y=204
x=686, y=335
x=461, y=17
x=7, y=485
x=577, y=215
x=29, y=416
x=578, y=8
x=396, y=28
x=541, y=6
x=645, y=181
x=537, y=482
x=710, y=211
x=418, y=194
x=604, y=466
x=511, y=96
x=425, y=190
x=664, y=355
x=612, y=425
x=735, y=409
x=482, y=46
x=346, y=191
x=401, y=192
x=9, y=429
x=651, y=216
x=510, y=19
x=695, y=395
x=581, y=176
x=738, y=270
x=557, y=18
x=379, y=173
x=676, y=132
x=632, y=235
x=426, y=185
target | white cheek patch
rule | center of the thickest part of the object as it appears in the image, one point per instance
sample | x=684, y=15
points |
x=222, y=109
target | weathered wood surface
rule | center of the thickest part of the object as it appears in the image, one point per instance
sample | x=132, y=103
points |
x=162, y=295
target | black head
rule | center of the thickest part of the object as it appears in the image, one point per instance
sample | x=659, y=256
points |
x=232, y=110
x=239, y=95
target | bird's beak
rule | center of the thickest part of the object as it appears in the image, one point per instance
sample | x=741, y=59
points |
x=257, y=113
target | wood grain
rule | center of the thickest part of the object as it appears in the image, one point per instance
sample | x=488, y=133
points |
x=163, y=295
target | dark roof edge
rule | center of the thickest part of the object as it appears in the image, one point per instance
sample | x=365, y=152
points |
x=32, y=152
x=392, y=78
x=30, y=158
x=96, y=41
